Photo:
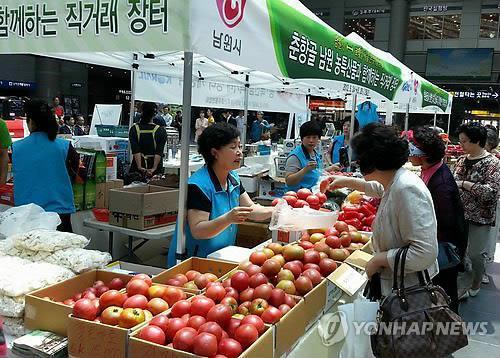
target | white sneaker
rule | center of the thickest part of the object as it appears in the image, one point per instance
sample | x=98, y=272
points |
x=473, y=293
x=485, y=280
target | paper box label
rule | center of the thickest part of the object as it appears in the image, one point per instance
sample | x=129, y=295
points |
x=348, y=279
x=359, y=259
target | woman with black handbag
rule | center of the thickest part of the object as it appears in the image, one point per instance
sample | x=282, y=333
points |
x=427, y=150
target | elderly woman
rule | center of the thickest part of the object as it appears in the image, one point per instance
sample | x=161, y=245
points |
x=406, y=214
x=427, y=151
x=478, y=177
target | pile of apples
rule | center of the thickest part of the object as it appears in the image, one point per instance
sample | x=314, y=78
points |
x=94, y=292
x=337, y=242
x=292, y=269
x=192, y=280
x=139, y=303
x=204, y=327
x=302, y=198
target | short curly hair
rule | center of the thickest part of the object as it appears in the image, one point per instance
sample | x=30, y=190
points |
x=492, y=138
x=379, y=147
x=475, y=131
x=429, y=141
x=216, y=136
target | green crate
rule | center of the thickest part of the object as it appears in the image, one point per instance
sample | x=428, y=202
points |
x=112, y=131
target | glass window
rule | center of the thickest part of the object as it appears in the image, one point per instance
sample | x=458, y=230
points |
x=416, y=28
x=364, y=27
x=433, y=27
x=489, y=25
x=451, y=26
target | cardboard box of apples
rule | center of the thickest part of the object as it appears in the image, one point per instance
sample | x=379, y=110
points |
x=101, y=326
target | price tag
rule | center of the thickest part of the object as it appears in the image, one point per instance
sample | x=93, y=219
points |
x=348, y=279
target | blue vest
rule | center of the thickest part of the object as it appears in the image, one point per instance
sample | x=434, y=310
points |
x=312, y=177
x=222, y=201
x=338, y=142
x=40, y=173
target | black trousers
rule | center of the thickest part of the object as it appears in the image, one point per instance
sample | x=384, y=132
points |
x=65, y=225
x=447, y=279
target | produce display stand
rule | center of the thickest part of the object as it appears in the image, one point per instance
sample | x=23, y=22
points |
x=160, y=233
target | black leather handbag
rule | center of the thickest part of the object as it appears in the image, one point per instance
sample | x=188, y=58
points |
x=416, y=321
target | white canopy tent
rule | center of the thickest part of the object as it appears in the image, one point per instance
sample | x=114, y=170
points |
x=299, y=52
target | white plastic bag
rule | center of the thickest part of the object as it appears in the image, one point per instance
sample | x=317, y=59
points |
x=24, y=218
x=11, y=306
x=48, y=240
x=286, y=218
x=79, y=260
x=14, y=326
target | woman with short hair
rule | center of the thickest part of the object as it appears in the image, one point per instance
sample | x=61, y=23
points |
x=406, y=213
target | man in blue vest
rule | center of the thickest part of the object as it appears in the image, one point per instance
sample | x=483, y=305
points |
x=304, y=164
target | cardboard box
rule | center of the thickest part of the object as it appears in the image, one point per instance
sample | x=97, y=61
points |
x=286, y=237
x=154, y=206
x=271, y=188
x=251, y=234
x=111, y=166
x=359, y=259
x=261, y=348
x=129, y=268
x=50, y=316
x=102, y=192
x=288, y=145
x=217, y=267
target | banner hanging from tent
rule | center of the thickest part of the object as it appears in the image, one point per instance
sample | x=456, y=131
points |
x=168, y=89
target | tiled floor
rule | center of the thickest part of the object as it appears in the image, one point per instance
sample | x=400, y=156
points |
x=485, y=307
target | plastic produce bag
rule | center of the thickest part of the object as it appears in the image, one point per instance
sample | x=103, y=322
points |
x=11, y=306
x=25, y=218
x=286, y=218
x=79, y=260
x=350, y=326
x=48, y=240
x=14, y=326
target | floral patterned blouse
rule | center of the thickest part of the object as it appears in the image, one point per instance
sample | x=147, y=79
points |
x=480, y=202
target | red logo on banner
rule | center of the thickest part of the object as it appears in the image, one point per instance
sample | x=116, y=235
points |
x=231, y=11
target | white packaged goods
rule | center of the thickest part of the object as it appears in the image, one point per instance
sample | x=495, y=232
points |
x=48, y=240
x=11, y=306
x=20, y=276
x=286, y=218
x=79, y=260
x=26, y=217
x=14, y=326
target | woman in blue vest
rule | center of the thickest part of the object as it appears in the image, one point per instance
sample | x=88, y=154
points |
x=304, y=164
x=340, y=143
x=216, y=201
x=43, y=165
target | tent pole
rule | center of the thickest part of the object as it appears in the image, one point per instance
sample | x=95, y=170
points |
x=407, y=118
x=435, y=118
x=449, y=120
x=185, y=137
x=351, y=130
x=308, y=107
x=132, y=90
x=245, y=120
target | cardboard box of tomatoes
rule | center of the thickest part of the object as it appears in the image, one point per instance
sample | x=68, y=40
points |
x=101, y=328
x=47, y=309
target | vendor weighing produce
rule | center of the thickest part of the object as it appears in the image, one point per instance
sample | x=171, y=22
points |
x=217, y=201
x=304, y=164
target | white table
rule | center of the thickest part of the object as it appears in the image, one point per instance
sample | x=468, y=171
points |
x=160, y=233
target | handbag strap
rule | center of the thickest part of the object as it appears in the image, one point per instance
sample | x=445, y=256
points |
x=396, y=269
x=402, y=270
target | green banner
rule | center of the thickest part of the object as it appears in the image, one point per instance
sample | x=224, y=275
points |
x=307, y=49
x=434, y=96
x=93, y=25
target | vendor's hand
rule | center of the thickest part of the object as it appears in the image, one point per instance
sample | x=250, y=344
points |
x=239, y=214
x=311, y=165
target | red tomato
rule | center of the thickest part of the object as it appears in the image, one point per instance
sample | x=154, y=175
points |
x=116, y=284
x=196, y=322
x=229, y=347
x=291, y=200
x=143, y=277
x=137, y=287
x=322, y=198
x=160, y=321
x=216, y=292
x=301, y=203
x=271, y=315
x=213, y=328
x=136, y=301
x=86, y=309
x=313, y=275
x=302, y=194
x=174, y=325
x=180, y=308
x=231, y=327
x=257, y=280
x=112, y=298
x=291, y=193
x=173, y=294
x=255, y=321
x=184, y=339
x=246, y=334
x=153, y=334
x=258, y=258
x=205, y=344
x=275, y=202
x=312, y=200
x=239, y=281
x=220, y=314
